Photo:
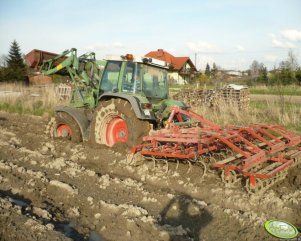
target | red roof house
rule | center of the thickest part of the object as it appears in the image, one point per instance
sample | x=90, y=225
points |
x=183, y=68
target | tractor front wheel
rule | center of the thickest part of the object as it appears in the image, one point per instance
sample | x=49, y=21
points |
x=115, y=121
x=66, y=127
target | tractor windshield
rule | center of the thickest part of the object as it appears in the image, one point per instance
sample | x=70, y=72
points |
x=150, y=80
x=154, y=82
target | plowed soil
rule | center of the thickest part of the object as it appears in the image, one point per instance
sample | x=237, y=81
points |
x=53, y=189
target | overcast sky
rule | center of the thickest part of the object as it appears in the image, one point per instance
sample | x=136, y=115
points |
x=231, y=33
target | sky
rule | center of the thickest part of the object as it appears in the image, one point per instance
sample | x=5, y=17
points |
x=231, y=33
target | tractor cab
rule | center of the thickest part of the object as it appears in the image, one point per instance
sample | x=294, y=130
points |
x=140, y=76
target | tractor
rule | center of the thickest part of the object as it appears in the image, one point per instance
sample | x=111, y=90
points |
x=115, y=100
x=120, y=99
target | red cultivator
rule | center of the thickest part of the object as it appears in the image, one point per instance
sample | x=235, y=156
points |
x=258, y=155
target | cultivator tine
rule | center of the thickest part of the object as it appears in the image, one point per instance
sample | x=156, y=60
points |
x=134, y=159
x=190, y=166
x=166, y=164
x=154, y=162
x=258, y=154
x=230, y=177
x=129, y=158
x=177, y=166
x=204, y=169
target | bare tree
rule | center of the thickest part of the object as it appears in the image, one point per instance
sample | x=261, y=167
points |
x=3, y=61
x=292, y=60
x=256, y=68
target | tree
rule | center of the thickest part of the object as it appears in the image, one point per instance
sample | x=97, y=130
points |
x=214, y=71
x=15, y=64
x=14, y=58
x=258, y=72
x=298, y=75
x=254, y=69
x=3, y=61
x=289, y=72
x=263, y=74
x=207, y=70
x=292, y=60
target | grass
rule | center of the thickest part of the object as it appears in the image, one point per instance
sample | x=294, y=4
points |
x=276, y=111
x=18, y=107
x=294, y=90
x=265, y=112
x=35, y=100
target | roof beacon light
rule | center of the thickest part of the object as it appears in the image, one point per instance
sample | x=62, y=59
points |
x=129, y=57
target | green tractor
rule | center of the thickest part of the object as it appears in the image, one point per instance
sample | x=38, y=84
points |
x=115, y=100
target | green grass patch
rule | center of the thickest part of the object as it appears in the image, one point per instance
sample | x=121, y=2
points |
x=263, y=104
x=282, y=113
x=37, y=108
x=260, y=105
x=293, y=90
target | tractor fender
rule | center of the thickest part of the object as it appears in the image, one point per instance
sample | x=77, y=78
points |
x=134, y=101
x=79, y=116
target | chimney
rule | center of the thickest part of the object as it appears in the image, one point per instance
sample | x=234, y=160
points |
x=160, y=53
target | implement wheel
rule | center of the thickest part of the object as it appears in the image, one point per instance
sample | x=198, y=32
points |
x=115, y=121
x=66, y=127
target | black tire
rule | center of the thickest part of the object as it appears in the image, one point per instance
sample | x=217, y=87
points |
x=122, y=109
x=62, y=118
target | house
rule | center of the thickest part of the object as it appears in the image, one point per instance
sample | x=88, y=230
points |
x=183, y=70
x=234, y=73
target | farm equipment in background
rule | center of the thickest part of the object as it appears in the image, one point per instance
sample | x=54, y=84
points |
x=124, y=99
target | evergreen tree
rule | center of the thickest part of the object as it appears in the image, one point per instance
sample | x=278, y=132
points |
x=214, y=71
x=207, y=70
x=15, y=65
x=14, y=58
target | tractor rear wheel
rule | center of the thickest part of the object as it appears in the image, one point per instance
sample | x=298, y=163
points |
x=66, y=127
x=115, y=121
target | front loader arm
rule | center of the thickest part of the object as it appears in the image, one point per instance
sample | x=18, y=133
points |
x=49, y=66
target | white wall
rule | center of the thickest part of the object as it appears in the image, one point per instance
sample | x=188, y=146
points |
x=176, y=77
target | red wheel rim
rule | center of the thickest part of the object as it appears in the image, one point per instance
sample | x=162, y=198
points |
x=64, y=130
x=116, y=131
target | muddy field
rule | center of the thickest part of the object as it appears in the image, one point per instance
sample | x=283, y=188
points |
x=52, y=189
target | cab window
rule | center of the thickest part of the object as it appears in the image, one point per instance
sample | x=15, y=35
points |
x=154, y=82
x=132, y=78
x=110, y=76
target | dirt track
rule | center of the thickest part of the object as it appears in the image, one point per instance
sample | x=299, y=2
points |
x=58, y=190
